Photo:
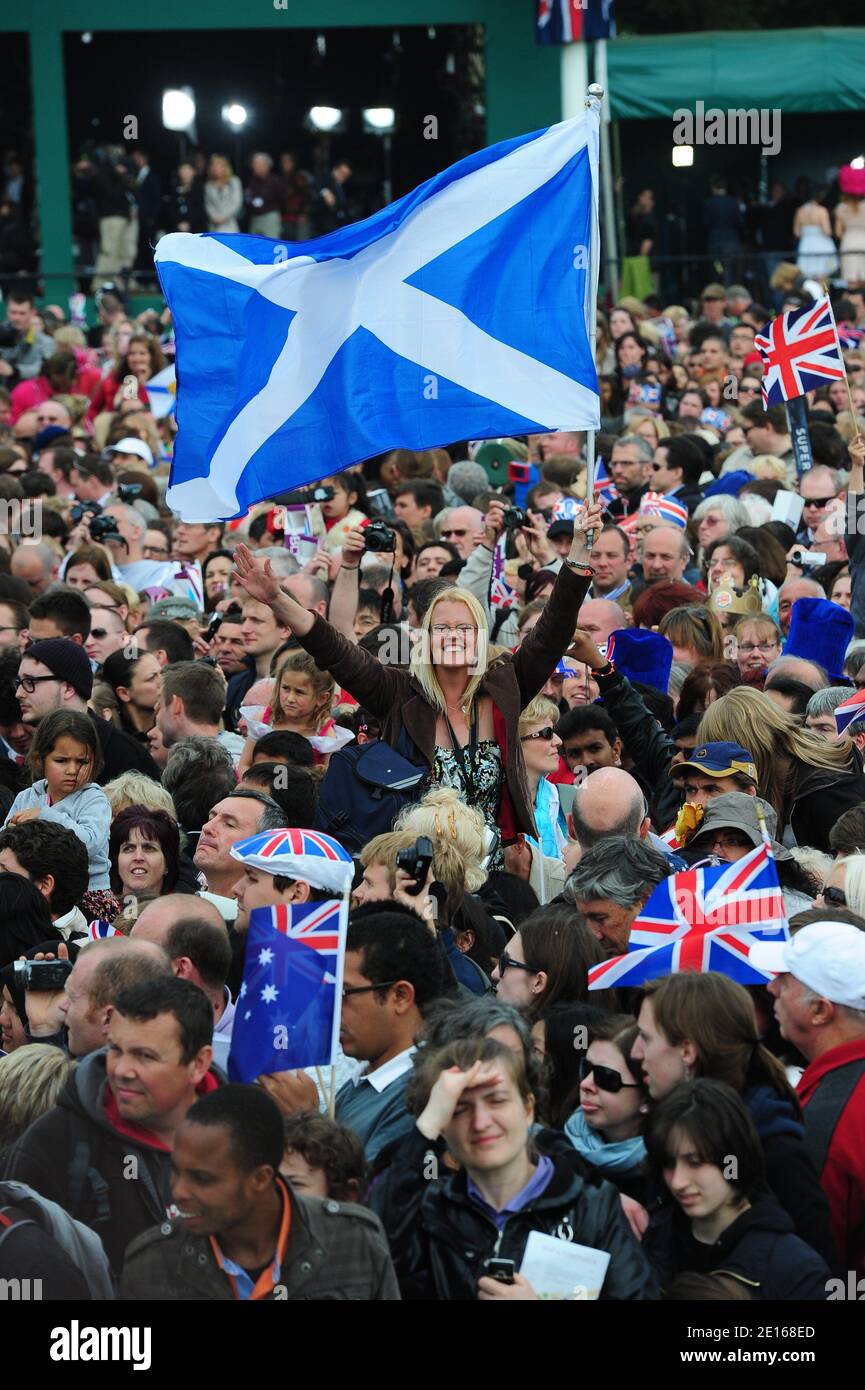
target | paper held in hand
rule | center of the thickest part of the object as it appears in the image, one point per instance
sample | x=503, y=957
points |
x=558, y=1269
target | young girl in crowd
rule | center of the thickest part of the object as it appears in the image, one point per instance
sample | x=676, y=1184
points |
x=64, y=759
x=302, y=700
x=606, y=1127
x=702, y=1145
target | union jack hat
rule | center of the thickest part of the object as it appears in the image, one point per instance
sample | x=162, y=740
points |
x=849, y=712
x=309, y=855
x=658, y=504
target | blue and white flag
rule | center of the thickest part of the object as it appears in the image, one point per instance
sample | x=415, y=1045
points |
x=289, y=1006
x=459, y=312
x=162, y=392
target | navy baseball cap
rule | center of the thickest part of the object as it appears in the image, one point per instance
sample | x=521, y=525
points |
x=719, y=760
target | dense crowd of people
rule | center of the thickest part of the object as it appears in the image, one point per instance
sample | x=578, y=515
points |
x=520, y=709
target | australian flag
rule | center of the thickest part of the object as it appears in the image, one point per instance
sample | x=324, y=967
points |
x=800, y=352
x=288, y=1008
x=566, y=21
x=458, y=312
x=703, y=919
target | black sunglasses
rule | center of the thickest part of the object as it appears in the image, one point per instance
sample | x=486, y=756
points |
x=606, y=1079
x=836, y=896
x=546, y=734
x=505, y=960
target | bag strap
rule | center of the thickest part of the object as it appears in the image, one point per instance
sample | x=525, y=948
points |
x=466, y=765
x=80, y=1175
x=11, y=1218
x=825, y=1108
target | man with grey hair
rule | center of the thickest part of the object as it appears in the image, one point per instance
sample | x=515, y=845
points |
x=820, y=714
x=199, y=771
x=264, y=195
x=37, y=564
x=127, y=551
x=467, y=481
x=282, y=562
x=611, y=883
x=237, y=816
x=609, y=802
x=630, y=467
x=792, y=668
x=666, y=554
x=460, y=526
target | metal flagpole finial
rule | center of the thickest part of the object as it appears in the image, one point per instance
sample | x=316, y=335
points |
x=594, y=93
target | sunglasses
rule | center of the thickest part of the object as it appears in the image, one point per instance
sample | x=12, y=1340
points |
x=505, y=961
x=546, y=734
x=606, y=1079
x=818, y=501
x=836, y=896
x=101, y=632
x=348, y=990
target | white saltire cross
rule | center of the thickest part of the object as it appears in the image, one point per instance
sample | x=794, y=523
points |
x=333, y=298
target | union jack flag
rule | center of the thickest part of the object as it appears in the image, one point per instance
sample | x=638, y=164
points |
x=800, y=352
x=101, y=928
x=501, y=593
x=704, y=919
x=315, y=924
x=850, y=336
x=605, y=489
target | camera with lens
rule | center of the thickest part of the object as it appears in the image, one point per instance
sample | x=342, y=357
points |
x=9, y=336
x=416, y=862
x=127, y=492
x=42, y=974
x=515, y=518
x=104, y=528
x=379, y=537
x=323, y=494
x=83, y=509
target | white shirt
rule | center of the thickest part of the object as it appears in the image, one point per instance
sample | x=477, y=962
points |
x=385, y=1075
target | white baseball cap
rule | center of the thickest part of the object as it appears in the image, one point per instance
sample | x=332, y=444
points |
x=827, y=957
x=131, y=445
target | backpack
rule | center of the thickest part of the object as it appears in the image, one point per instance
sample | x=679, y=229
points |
x=364, y=789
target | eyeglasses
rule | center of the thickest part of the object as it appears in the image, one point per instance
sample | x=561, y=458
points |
x=731, y=842
x=153, y=550
x=10, y=629
x=445, y=534
x=606, y=1079
x=464, y=630
x=836, y=896
x=546, y=734
x=29, y=683
x=748, y=647
x=348, y=990
x=505, y=961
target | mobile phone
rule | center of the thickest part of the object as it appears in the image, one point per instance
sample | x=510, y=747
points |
x=502, y=1270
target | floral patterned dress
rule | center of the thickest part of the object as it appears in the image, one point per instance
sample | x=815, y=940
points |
x=487, y=774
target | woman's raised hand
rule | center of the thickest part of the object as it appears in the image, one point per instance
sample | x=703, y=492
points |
x=446, y=1094
x=256, y=578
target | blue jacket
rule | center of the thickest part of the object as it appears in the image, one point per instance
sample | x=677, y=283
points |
x=87, y=812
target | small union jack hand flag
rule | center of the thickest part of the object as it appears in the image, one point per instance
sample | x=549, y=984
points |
x=704, y=919
x=800, y=351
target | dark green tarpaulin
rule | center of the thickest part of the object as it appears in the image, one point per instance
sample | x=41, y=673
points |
x=796, y=70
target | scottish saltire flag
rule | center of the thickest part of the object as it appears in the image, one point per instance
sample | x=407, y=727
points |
x=605, y=489
x=799, y=351
x=704, y=919
x=458, y=312
x=288, y=1009
x=162, y=392
x=566, y=21
x=659, y=504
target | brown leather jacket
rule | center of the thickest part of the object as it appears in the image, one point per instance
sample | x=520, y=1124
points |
x=512, y=681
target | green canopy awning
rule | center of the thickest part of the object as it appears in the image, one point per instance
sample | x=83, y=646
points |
x=795, y=70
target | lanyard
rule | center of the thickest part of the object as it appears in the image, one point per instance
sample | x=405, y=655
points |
x=460, y=755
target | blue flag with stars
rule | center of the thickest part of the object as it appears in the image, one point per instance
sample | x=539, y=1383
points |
x=288, y=1009
x=461, y=311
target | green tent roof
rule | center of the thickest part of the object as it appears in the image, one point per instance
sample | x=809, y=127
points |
x=796, y=70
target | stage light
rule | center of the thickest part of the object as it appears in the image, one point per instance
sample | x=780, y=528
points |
x=325, y=118
x=683, y=156
x=379, y=120
x=234, y=114
x=178, y=109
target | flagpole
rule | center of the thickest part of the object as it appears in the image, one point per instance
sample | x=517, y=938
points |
x=595, y=94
